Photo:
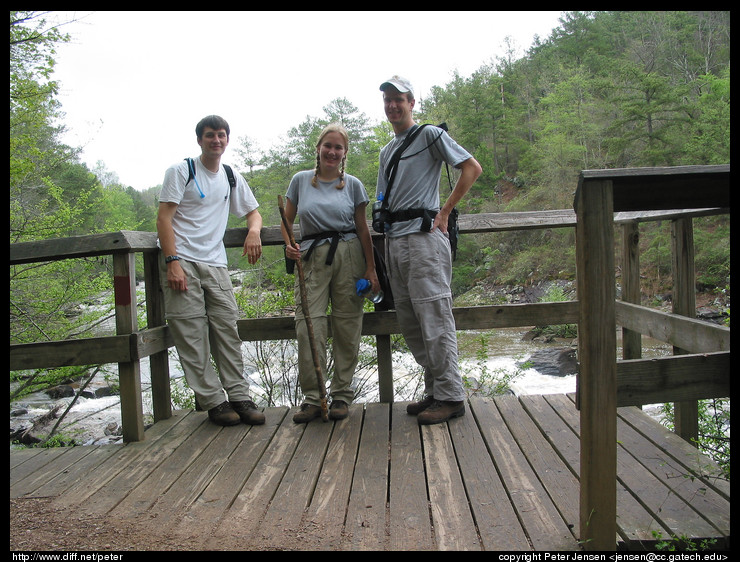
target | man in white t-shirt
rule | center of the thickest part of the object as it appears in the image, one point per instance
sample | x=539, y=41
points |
x=419, y=253
x=200, y=306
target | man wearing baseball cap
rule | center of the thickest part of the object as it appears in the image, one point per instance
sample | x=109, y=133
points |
x=418, y=248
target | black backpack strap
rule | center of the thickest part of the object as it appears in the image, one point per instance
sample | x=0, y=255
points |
x=409, y=214
x=398, y=154
x=396, y=157
x=191, y=170
x=230, y=175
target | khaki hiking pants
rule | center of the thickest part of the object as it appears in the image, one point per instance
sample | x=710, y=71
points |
x=420, y=271
x=202, y=321
x=335, y=283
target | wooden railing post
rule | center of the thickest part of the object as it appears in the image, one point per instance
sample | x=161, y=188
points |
x=159, y=365
x=686, y=414
x=385, y=367
x=129, y=374
x=597, y=387
x=631, y=339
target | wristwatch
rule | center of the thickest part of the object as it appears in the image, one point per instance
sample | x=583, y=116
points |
x=168, y=259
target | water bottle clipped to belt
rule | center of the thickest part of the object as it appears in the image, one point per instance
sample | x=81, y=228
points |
x=381, y=216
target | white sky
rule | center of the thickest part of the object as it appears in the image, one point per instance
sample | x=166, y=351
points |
x=134, y=84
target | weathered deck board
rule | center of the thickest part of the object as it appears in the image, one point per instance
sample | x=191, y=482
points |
x=497, y=522
x=541, y=521
x=454, y=527
x=409, y=507
x=365, y=523
x=634, y=520
x=502, y=477
x=218, y=496
x=327, y=510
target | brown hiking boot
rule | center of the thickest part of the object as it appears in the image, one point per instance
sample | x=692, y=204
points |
x=441, y=411
x=339, y=410
x=223, y=414
x=248, y=412
x=416, y=407
x=308, y=412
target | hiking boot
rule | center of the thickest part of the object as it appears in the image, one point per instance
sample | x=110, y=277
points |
x=441, y=411
x=223, y=414
x=308, y=412
x=248, y=412
x=339, y=410
x=417, y=407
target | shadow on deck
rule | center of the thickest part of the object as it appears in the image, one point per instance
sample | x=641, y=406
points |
x=503, y=477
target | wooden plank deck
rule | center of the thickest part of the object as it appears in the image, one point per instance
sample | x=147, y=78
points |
x=504, y=477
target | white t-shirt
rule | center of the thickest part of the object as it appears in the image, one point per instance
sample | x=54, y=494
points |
x=200, y=221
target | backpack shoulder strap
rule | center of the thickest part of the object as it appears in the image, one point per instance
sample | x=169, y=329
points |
x=396, y=156
x=230, y=175
x=227, y=168
x=393, y=162
x=191, y=169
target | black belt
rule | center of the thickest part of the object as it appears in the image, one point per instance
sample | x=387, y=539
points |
x=334, y=235
x=410, y=214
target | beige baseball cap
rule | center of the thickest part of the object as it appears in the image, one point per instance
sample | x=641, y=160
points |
x=399, y=83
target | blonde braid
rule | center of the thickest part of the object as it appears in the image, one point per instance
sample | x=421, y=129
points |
x=314, y=179
x=340, y=185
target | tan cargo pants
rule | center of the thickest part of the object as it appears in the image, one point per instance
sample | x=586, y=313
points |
x=202, y=321
x=335, y=283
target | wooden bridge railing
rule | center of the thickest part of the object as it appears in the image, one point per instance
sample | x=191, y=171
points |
x=604, y=198
x=602, y=386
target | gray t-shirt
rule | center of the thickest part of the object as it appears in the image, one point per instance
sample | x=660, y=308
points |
x=416, y=185
x=325, y=208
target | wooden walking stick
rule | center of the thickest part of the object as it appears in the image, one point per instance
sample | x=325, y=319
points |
x=307, y=316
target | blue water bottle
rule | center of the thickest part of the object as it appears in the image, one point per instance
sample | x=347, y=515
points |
x=365, y=289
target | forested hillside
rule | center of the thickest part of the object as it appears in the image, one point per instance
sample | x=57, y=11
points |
x=604, y=90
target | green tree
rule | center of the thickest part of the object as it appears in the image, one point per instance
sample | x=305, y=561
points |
x=34, y=149
x=248, y=153
x=43, y=297
x=341, y=110
x=709, y=139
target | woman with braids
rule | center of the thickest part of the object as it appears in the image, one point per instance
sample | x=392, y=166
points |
x=336, y=250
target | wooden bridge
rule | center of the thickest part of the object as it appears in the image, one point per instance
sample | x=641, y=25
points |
x=505, y=476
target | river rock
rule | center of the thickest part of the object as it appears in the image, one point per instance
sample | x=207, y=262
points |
x=711, y=314
x=104, y=391
x=556, y=361
x=60, y=391
x=106, y=440
x=113, y=429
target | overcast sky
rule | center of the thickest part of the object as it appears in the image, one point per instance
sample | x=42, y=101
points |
x=134, y=84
